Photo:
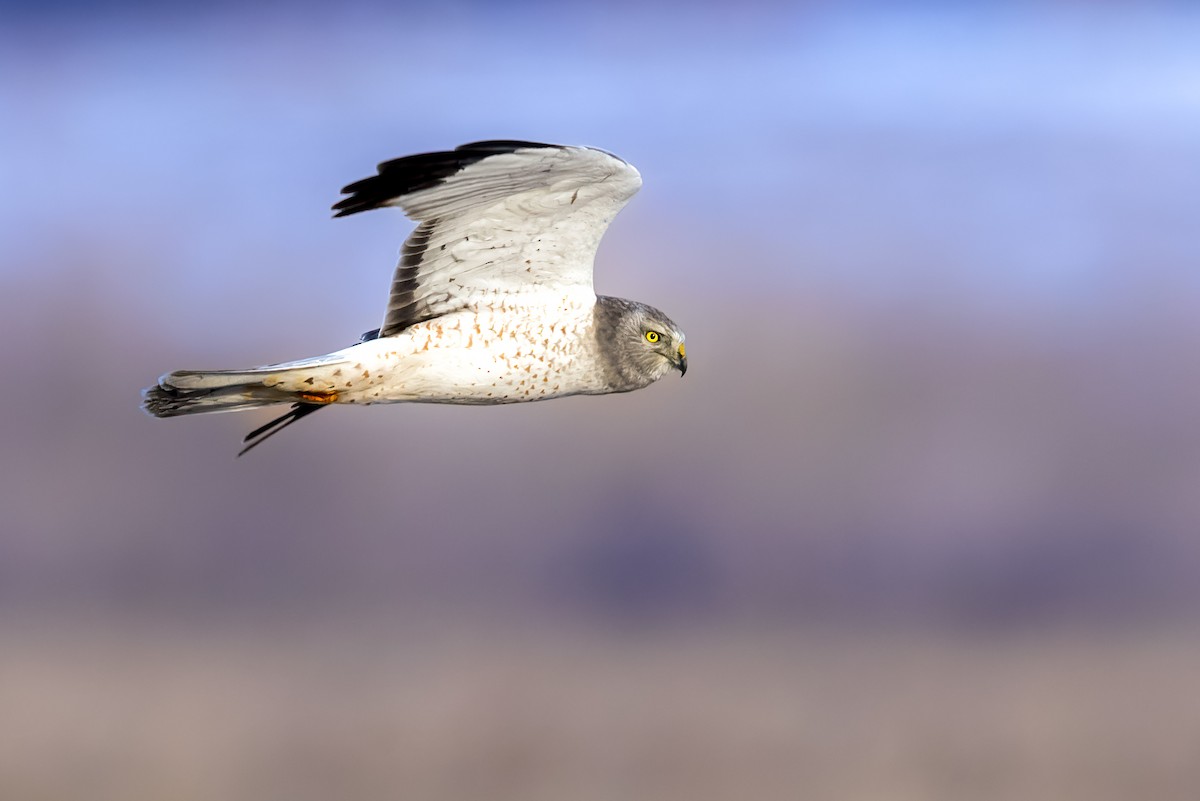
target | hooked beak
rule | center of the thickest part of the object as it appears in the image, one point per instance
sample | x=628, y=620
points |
x=682, y=363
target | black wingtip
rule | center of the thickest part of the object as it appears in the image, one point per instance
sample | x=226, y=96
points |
x=493, y=146
x=403, y=176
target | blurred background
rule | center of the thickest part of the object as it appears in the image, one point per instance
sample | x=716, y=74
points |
x=921, y=521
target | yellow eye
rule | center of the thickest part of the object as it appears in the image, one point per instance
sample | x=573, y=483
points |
x=653, y=336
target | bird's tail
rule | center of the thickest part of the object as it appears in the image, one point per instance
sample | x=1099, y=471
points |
x=183, y=392
x=204, y=391
x=200, y=392
x=307, y=385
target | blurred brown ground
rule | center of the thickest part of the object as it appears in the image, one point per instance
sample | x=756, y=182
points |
x=360, y=709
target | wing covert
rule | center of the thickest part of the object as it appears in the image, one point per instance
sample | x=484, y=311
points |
x=499, y=220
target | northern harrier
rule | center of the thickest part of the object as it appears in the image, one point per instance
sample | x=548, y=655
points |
x=492, y=301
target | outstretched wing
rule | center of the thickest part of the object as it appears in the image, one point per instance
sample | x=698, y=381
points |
x=499, y=222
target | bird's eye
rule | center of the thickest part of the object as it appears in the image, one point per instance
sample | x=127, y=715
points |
x=653, y=336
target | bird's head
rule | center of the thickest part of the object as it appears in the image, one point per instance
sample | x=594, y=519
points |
x=641, y=343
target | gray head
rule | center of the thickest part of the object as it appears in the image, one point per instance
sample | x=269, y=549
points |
x=638, y=344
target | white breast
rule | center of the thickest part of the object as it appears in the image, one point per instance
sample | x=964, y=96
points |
x=495, y=355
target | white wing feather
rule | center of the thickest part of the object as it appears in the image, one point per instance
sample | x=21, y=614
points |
x=516, y=228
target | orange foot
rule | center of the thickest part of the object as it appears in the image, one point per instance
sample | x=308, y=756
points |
x=318, y=397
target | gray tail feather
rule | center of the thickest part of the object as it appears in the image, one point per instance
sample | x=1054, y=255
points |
x=199, y=392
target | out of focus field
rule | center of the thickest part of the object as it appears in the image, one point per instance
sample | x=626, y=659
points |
x=313, y=712
x=921, y=522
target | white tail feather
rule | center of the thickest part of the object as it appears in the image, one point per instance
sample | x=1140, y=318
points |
x=207, y=391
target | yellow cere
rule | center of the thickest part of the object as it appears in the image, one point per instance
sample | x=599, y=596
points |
x=682, y=352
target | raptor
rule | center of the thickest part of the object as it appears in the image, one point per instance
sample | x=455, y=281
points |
x=492, y=301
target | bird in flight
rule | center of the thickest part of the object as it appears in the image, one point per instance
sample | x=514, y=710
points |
x=492, y=301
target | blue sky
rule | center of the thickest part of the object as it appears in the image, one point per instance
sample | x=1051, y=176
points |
x=1027, y=149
